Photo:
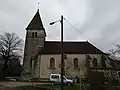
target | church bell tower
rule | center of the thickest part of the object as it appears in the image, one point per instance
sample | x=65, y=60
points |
x=35, y=38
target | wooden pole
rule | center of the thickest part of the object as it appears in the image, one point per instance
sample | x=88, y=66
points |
x=62, y=54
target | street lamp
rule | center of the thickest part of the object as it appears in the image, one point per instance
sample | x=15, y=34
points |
x=54, y=22
x=62, y=54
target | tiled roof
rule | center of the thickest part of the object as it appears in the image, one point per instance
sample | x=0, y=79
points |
x=54, y=47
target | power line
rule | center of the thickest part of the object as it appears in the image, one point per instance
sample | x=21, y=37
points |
x=73, y=26
x=80, y=32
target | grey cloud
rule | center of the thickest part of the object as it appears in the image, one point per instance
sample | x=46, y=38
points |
x=102, y=21
x=98, y=20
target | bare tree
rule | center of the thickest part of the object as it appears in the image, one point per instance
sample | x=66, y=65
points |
x=67, y=67
x=10, y=48
x=115, y=53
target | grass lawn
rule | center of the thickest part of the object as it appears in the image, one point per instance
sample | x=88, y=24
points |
x=26, y=88
x=57, y=87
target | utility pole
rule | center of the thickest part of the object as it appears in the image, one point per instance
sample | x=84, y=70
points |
x=62, y=51
x=62, y=54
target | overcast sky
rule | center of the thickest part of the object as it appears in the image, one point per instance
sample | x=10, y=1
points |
x=97, y=20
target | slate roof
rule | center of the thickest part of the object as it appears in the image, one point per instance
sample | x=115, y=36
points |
x=36, y=23
x=84, y=47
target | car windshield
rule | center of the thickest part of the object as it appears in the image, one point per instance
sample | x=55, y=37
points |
x=55, y=76
x=64, y=77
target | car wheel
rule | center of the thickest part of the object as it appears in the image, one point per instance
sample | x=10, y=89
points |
x=69, y=84
x=52, y=83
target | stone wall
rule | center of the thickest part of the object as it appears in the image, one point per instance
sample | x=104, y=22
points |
x=81, y=71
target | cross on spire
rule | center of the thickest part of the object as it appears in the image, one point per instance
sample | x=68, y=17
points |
x=36, y=22
x=38, y=6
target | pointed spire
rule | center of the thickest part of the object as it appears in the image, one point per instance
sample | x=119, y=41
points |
x=36, y=22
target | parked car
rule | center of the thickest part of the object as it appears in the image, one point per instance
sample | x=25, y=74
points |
x=56, y=79
x=10, y=79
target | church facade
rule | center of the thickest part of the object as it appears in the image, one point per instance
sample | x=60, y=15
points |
x=42, y=58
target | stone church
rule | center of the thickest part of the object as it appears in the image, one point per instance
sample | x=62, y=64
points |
x=42, y=58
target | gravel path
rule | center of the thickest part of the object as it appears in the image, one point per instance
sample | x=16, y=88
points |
x=5, y=88
x=17, y=84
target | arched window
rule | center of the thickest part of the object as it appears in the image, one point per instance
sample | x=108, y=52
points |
x=35, y=34
x=95, y=62
x=52, y=63
x=75, y=61
x=32, y=34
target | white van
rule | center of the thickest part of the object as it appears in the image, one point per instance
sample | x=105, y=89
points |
x=56, y=79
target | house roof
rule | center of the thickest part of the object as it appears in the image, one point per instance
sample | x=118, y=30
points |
x=84, y=47
x=36, y=23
